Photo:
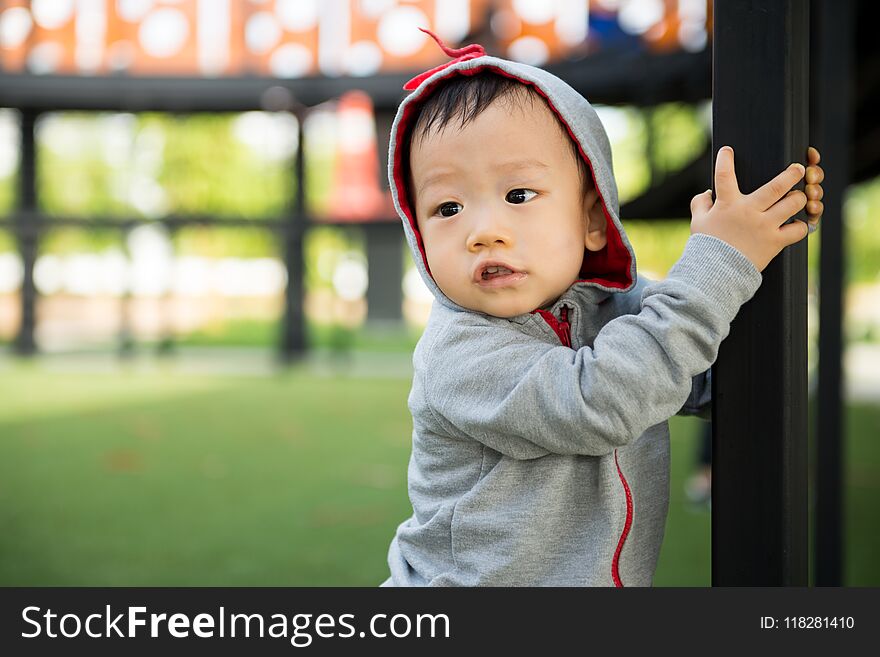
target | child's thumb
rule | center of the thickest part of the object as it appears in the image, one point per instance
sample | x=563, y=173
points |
x=701, y=203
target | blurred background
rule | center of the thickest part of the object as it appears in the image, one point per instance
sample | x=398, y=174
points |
x=207, y=309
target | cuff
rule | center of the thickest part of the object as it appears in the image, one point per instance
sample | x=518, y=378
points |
x=718, y=270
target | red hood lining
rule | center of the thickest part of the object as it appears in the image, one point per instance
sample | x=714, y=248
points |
x=609, y=266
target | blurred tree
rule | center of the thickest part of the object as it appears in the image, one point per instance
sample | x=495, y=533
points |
x=227, y=164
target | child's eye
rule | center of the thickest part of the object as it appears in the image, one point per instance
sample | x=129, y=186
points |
x=520, y=195
x=449, y=209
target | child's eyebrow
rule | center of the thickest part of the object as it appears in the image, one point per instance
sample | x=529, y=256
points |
x=434, y=179
x=515, y=165
x=512, y=165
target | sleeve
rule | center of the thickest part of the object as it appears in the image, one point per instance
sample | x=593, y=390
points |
x=699, y=402
x=527, y=399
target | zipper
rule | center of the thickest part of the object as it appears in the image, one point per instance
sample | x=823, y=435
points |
x=564, y=327
x=561, y=326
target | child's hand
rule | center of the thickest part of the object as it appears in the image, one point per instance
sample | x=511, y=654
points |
x=752, y=223
x=813, y=189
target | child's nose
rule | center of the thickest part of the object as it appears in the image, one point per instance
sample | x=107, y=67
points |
x=488, y=230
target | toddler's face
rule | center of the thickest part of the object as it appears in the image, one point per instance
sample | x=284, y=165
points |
x=501, y=210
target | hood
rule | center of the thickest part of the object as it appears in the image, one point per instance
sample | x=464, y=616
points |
x=613, y=269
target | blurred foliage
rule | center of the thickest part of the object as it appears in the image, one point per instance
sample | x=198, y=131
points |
x=73, y=177
x=206, y=170
x=658, y=244
x=7, y=196
x=681, y=133
x=227, y=242
x=324, y=247
x=628, y=139
x=862, y=208
x=9, y=156
x=7, y=241
x=674, y=133
x=67, y=240
x=152, y=164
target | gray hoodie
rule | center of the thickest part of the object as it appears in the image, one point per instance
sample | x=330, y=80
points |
x=540, y=450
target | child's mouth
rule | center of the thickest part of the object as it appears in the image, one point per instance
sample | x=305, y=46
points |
x=499, y=276
x=495, y=272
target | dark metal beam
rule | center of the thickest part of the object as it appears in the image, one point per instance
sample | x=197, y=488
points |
x=832, y=70
x=278, y=224
x=27, y=233
x=759, y=416
x=293, y=339
x=385, y=274
x=384, y=245
x=610, y=78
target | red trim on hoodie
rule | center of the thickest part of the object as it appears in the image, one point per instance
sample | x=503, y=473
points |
x=615, y=572
x=599, y=266
x=560, y=327
x=609, y=266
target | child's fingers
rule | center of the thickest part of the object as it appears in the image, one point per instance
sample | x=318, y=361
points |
x=726, y=187
x=814, y=192
x=813, y=156
x=701, y=203
x=769, y=193
x=815, y=174
x=815, y=209
x=787, y=207
x=793, y=233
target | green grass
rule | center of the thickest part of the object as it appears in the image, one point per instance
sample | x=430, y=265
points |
x=262, y=333
x=173, y=480
x=161, y=479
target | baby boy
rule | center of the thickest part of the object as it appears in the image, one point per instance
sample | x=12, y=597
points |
x=548, y=370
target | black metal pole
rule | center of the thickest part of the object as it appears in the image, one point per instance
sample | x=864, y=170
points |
x=126, y=344
x=385, y=274
x=385, y=241
x=27, y=233
x=165, y=306
x=833, y=67
x=759, y=477
x=293, y=340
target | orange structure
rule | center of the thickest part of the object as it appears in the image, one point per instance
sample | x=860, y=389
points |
x=299, y=38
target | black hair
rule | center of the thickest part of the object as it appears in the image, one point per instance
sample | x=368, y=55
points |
x=465, y=97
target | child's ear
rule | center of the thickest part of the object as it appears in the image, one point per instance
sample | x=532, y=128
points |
x=595, y=236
